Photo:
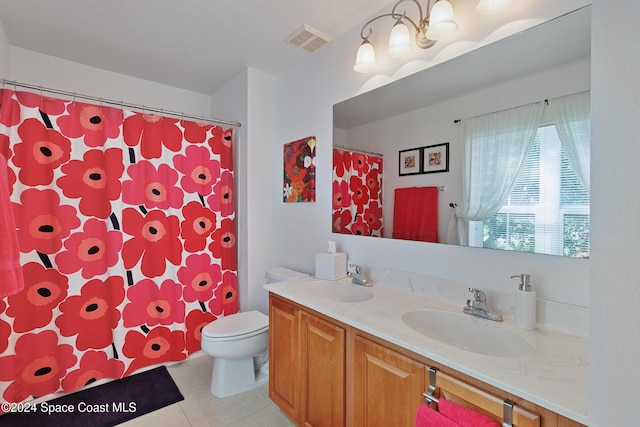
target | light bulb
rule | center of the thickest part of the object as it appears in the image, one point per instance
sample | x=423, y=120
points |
x=441, y=21
x=365, y=58
x=399, y=40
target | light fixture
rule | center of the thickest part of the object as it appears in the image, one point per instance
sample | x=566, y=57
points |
x=435, y=22
x=400, y=40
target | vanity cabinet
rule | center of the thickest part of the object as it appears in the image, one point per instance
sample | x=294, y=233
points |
x=284, y=351
x=325, y=373
x=387, y=387
x=306, y=365
x=322, y=357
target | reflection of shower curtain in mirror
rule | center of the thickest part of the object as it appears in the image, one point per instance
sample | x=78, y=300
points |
x=126, y=229
x=357, y=193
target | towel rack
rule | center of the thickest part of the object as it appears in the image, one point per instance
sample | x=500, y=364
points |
x=428, y=395
x=507, y=409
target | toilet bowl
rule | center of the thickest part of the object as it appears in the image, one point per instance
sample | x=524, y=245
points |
x=239, y=344
x=234, y=341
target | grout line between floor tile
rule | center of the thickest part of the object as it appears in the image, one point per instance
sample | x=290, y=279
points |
x=185, y=415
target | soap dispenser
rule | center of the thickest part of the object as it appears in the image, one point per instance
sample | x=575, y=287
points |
x=525, y=313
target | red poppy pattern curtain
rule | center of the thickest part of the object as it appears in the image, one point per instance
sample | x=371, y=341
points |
x=126, y=228
x=357, y=193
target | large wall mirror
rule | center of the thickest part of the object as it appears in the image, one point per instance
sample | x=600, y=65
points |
x=405, y=142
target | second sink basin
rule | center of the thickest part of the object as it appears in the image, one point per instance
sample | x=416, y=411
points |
x=338, y=291
x=468, y=332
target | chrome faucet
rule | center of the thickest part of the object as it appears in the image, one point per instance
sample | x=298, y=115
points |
x=478, y=306
x=358, y=277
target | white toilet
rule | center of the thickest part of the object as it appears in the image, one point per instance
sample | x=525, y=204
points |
x=239, y=345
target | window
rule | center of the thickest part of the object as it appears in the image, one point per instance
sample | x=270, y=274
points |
x=546, y=212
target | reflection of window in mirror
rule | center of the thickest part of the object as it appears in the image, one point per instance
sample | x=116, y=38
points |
x=548, y=209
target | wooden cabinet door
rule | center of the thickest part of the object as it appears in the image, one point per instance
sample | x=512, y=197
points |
x=284, y=367
x=322, y=353
x=388, y=386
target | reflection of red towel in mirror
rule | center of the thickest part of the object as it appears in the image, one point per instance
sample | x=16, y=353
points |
x=11, y=280
x=415, y=214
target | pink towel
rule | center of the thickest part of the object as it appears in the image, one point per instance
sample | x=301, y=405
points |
x=11, y=280
x=464, y=416
x=427, y=417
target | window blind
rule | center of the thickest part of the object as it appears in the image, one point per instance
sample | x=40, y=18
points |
x=547, y=210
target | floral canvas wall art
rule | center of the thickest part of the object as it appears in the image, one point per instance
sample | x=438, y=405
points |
x=300, y=171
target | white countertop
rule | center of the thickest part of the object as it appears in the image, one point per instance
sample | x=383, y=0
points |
x=554, y=376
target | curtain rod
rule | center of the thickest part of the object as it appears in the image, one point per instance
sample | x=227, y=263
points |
x=357, y=150
x=546, y=101
x=144, y=108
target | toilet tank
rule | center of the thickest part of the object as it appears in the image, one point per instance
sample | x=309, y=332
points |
x=281, y=274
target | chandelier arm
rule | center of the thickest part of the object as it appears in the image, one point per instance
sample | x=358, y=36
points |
x=403, y=15
x=373, y=20
x=420, y=27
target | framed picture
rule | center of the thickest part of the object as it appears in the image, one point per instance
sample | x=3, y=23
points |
x=435, y=158
x=299, y=183
x=410, y=162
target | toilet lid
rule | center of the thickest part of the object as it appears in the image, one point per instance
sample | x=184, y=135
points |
x=246, y=322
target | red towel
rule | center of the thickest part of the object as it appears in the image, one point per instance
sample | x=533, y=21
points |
x=11, y=280
x=415, y=214
x=464, y=416
x=427, y=417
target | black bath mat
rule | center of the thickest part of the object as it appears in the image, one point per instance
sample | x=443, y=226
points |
x=102, y=406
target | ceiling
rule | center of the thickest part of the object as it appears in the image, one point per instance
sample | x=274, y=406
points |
x=197, y=45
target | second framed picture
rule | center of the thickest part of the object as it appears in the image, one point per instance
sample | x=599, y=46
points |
x=435, y=158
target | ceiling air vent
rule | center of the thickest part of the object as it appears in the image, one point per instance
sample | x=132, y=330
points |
x=307, y=38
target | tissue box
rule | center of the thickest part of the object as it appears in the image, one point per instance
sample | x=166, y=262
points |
x=331, y=266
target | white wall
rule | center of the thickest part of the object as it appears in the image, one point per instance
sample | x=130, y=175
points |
x=247, y=98
x=48, y=71
x=615, y=231
x=4, y=53
x=306, y=95
x=232, y=101
x=261, y=173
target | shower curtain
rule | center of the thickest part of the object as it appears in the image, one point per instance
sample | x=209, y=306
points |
x=126, y=229
x=357, y=193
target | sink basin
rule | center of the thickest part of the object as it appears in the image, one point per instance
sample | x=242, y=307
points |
x=343, y=292
x=468, y=332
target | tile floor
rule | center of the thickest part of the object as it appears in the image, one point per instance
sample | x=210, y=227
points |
x=200, y=408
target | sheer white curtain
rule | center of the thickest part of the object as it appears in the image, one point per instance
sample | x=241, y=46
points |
x=572, y=116
x=495, y=148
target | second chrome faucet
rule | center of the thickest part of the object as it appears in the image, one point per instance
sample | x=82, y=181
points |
x=477, y=306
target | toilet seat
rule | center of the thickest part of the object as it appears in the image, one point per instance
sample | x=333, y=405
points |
x=236, y=326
